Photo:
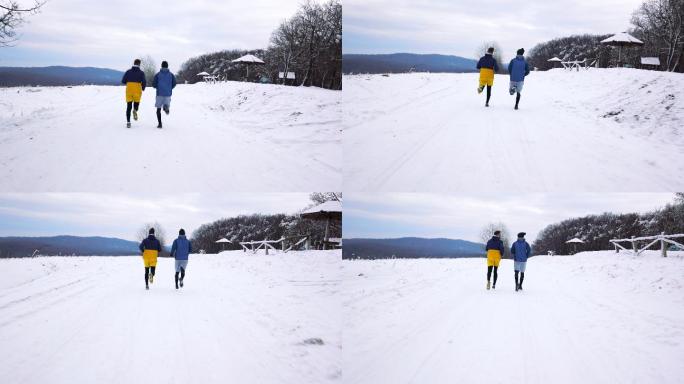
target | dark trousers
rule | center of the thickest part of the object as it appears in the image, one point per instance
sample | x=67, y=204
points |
x=489, y=273
x=149, y=271
x=129, y=105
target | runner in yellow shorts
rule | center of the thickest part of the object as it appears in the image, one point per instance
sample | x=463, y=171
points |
x=495, y=249
x=150, y=248
x=135, y=82
x=487, y=66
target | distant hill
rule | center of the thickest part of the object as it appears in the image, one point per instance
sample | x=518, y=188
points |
x=66, y=245
x=404, y=62
x=58, y=76
x=410, y=247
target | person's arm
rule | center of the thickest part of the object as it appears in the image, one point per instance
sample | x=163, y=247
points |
x=510, y=66
x=189, y=246
x=142, y=246
x=479, y=64
x=123, y=79
x=174, y=247
x=154, y=81
x=144, y=82
x=159, y=247
x=513, y=249
x=529, y=250
x=173, y=81
x=527, y=69
x=496, y=65
x=502, y=249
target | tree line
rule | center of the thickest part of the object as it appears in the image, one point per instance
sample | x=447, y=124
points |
x=309, y=45
x=658, y=23
x=597, y=230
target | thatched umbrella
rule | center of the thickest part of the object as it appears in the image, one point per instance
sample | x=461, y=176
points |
x=554, y=60
x=249, y=60
x=330, y=210
x=223, y=241
x=574, y=243
x=622, y=39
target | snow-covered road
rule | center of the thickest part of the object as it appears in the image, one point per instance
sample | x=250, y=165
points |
x=599, y=130
x=241, y=318
x=225, y=137
x=592, y=318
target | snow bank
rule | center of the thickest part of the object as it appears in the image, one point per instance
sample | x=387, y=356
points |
x=597, y=130
x=596, y=317
x=241, y=318
x=225, y=137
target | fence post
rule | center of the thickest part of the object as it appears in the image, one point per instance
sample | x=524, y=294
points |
x=663, y=246
x=617, y=250
x=634, y=246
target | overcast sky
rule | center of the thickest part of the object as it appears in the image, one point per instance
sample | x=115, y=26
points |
x=460, y=27
x=463, y=216
x=112, y=33
x=49, y=214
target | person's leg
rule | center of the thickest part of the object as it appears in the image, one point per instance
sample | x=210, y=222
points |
x=147, y=274
x=517, y=100
x=522, y=277
x=176, y=280
x=489, y=94
x=182, y=276
x=129, y=104
x=516, y=280
x=159, y=117
x=495, y=276
x=152, y=269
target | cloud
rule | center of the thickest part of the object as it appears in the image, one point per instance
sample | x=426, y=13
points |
x=39, y=214
x=463, y=216
x=459, y=27
x=112, y=33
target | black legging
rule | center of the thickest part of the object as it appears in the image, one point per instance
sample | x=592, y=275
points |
x=517, y=99
x=148, y=271
x=522, y=277
x=489, y=273
x=182, y=275
x=159, y=115
x=489, y=93
x=129, y=105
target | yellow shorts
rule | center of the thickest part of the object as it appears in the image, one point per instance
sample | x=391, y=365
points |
x=133, y=92
x=493, y=258
x=486, y=77
x=150, y=258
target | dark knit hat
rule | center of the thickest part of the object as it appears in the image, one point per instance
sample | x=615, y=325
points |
x=151, y=231
x=165, y=64
x=521, y=235
x=521, y=51
x=490, y=50
x=497, y=233
x=181, y=232
x=136, y=62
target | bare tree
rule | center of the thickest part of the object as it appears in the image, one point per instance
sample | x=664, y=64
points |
x=149, y=66
x=488, y=231
x=12, y=17
x=482, y=49
x=662, y=22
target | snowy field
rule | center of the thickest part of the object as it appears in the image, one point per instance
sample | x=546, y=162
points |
x=597, y=130
x=241, y=318
x=597, y=317
x=225, y=137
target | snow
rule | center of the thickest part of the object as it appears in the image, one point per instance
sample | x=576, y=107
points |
x=230, y=136
x=241, y=318
x=596, y=317
x=622, y=37
x=589, y=131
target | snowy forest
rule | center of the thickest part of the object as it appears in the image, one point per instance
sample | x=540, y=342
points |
x=258, y=227
x=597, y=230
x=658, y=23
x=308, y=44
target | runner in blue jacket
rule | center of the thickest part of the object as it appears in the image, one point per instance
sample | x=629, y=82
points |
x=520, y=250
x=518, y=69
x=180, y=250
x=164, y=81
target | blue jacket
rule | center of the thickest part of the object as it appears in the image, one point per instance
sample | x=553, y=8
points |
x=495, y=243
x=181, y=248
x=164, y=81
x=134, y=75
x=521, y=250
x=518, y=68
x=150, y=242
x=488, y=61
